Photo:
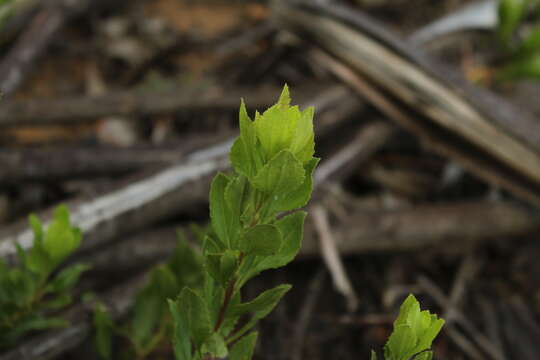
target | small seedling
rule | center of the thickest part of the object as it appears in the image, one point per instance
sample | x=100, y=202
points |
x=32, y=289
x=413, y=334
x=149, y=324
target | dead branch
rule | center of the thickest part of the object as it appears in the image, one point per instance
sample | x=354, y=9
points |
x=19, y=61
x=484, y=133
x=54, y=164
x=449, y=227
x=133, y=104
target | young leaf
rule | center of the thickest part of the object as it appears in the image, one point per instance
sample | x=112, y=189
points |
x=182, y=333
x=150, y=305
x=401, y=344
x=216, y=346
x=303, y=144
x=262, y=240
x=61, y=239
x=220, y=213
x=283, y=174
x=292, y=228
x=261, y=306
x=243, y=349
x=198, y=317
x=245, y=153
x=301, y=195
x=104, y=328
x=67, y=278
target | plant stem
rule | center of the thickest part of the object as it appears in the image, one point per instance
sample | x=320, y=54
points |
x=226, y=300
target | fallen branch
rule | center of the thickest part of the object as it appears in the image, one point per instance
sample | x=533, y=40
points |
x=132, y=104
x=483, y=132
x=447, y=228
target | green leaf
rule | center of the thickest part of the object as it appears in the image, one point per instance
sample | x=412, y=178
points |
x=373, y=355
x=281, y=175
x=526, y=68
x=228, y=264
x=414, y=331
x=223, y=219
x=186, y=264
x=262, y=240
x=531, y=44
x=216, y=346
x=57, y=303
x=67, y=278
x=35, y=323
x=246, y=152
x=401, y=344
x=181, y=331
x=426, y=355
x=150, y=305
x=243, y=349
x=292, y=228
x=303, y=144
x=510, y=14
x=261, y=306
x=104, y=332
x=61, y=239
x=276, y=128
x=301, y=195
x=235, y=196
x=198, y=317
x=37, y=227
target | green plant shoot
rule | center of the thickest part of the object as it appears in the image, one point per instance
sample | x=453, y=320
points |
x=149, y=323
x=273, y=164
x=29, y=290
x=413, y=334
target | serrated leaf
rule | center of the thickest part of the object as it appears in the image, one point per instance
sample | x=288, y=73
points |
x=235, y=196
x=150, y=305
x=185, y=263
x=61, y=239
x=301, y=195
x=261, y=306
x=216, y=346
x=243, y=349
x=181, y=331
x=222, y=218
x=198, y=316
x=401, y=343
x=67, y=278
x=303, y=144
x=228, y=264
x=245, y=153
x=104, y=332
x=426, y=355
x=281, y=175
x=276, y=128
x=292, y=228
x=262, y=240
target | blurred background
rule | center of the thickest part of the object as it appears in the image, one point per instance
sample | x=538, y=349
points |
x=427, y=123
